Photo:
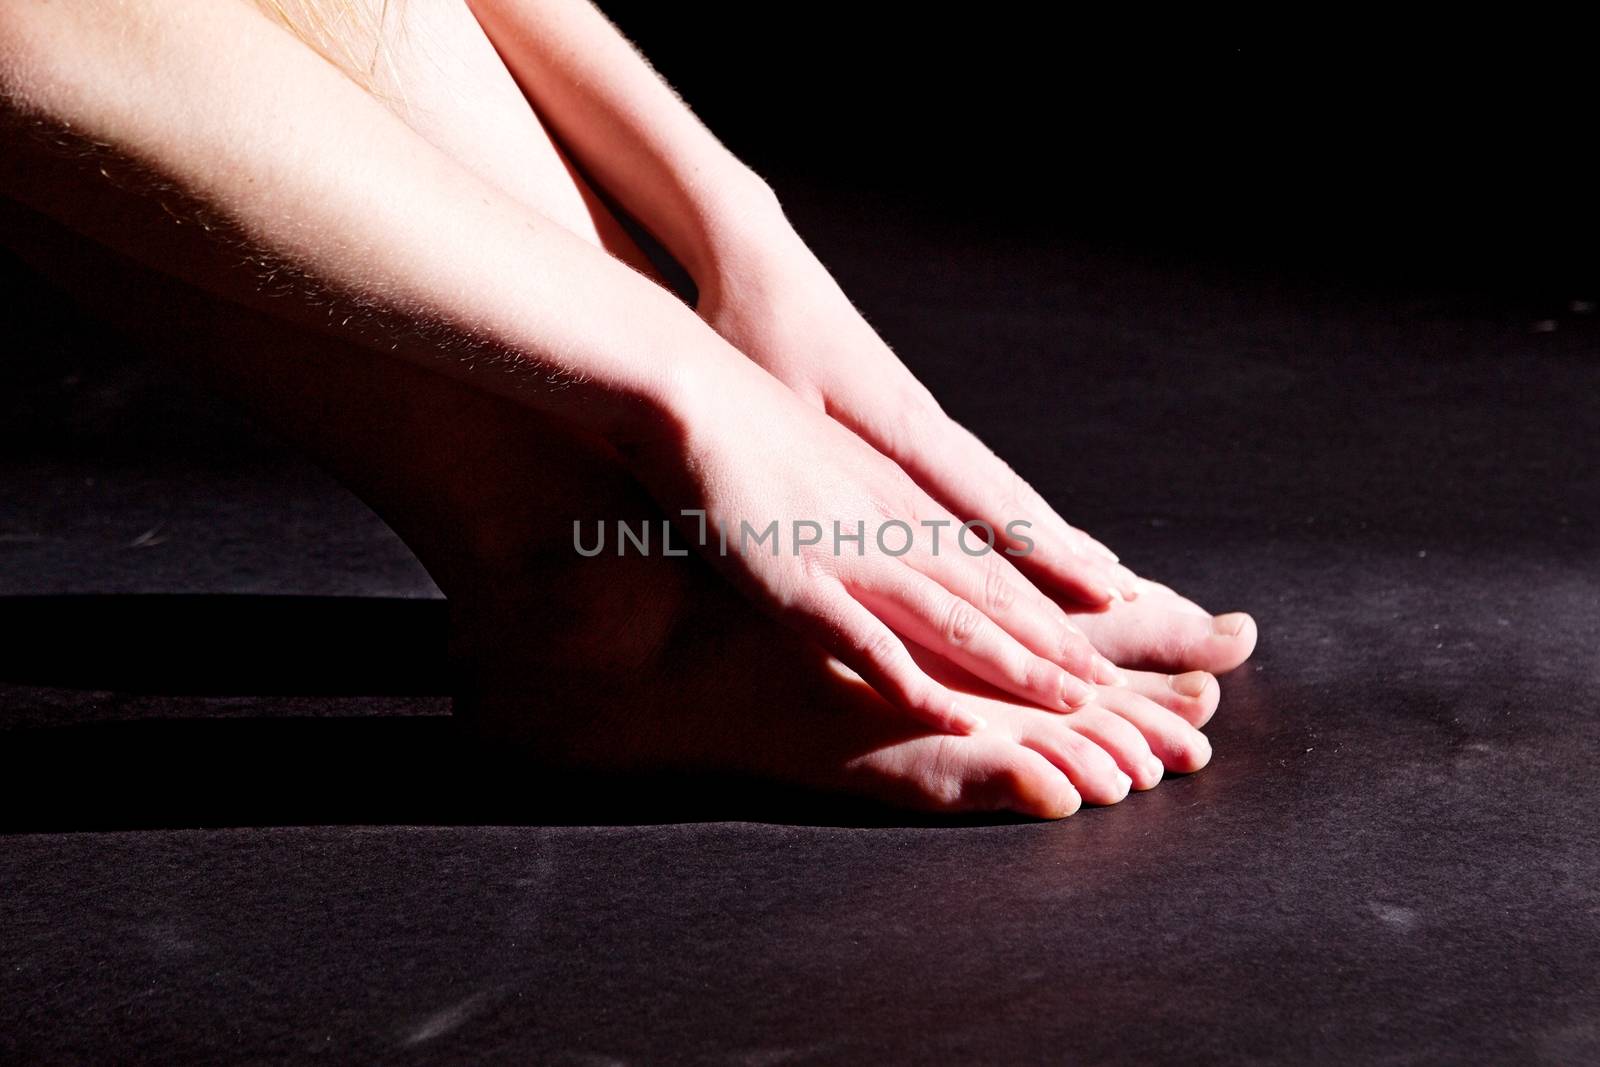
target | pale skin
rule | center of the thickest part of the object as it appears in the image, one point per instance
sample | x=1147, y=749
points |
x=487, y=302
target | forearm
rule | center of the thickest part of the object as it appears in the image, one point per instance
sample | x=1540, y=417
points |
x=195, y=136
x=632, y=134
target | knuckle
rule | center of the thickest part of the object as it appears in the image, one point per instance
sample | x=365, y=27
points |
x=1106, y=721
x=1016, y=494
x=818, y=565
x=1019, y=501
x=999, y=592
x=876, y=647
x=897, y=429
x=961, y=622
x=1070, y=647
x=884, y=508
x=1025, y=672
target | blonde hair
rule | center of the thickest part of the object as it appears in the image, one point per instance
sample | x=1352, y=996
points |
x=350, y=34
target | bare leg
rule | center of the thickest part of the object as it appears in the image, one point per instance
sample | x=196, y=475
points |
x=640, y=663
x=445, y=78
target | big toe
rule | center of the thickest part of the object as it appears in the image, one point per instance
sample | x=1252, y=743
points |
x=1157, y=638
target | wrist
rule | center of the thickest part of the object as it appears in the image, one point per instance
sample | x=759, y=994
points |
x=743, y=236
x=688, y=395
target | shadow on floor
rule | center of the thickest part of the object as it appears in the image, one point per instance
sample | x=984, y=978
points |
x=175, y=765
x=184, y=645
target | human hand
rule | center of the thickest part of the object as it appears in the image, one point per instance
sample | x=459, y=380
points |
x=836, y=540
x=777, y=304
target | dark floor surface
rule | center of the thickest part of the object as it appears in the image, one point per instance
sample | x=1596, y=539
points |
x=275, y=848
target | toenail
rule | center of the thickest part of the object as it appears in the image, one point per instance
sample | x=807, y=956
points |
x=1124, y=783
x=1192, y=684
x=1230, y=625
x=1156, y=769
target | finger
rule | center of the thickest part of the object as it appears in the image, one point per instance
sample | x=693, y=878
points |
x=990, y=583
x=935, y=618
x=862, y=642
x=1005, y=489
x=1056, y=552
x=953, y=465
x=1099, y=549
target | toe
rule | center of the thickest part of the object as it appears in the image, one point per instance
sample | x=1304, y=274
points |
x=991, y=772
x=1123, y=742
x=1178, y=745
x=1193, y=695
x=1021, y=780
x=1232, y=639
x=1163, y=639
x=1092, y=770
x=1168, y=597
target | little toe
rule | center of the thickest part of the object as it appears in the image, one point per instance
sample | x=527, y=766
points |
x=994, y=773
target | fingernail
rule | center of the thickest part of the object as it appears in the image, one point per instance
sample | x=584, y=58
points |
x=1106, y=673
x=1192, y=684
x=1230, y=625
x=1075, y=692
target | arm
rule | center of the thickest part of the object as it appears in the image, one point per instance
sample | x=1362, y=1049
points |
x=630, y=131
x=199, y=139
x=760, y=286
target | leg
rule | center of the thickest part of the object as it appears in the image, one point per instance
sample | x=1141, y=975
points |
x=445, y=78
x=629, y=663
x=640, y=663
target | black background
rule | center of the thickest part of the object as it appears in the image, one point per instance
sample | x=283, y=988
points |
x=1457, y=155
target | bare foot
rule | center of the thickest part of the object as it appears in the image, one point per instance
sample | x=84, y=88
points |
x=646, y=663
x=639, y=663
x=633, y=664
x=651, y=664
